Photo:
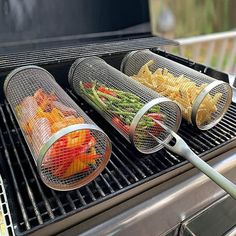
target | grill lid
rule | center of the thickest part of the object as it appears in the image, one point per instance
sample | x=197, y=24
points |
x=42, y=25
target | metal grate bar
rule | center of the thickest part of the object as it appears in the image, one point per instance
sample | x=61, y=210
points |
x=113, y=178
x=152, y=165
x=29, y=190
x=98, y=188
x=146, y=168
x=133, y=165
x=228, y=126
x=197, y=145
x=160, y=162
x=203, y=138
x=81, y=198
x=18, y=195
x=223, y=127
x=90, y=193
x=111, y=190
x=217, y=139
x=126, y=168
x=47, y=205
x=132, y=156
x=120, y=173
x=45, y=56
x=177, y=160
x=62, y=210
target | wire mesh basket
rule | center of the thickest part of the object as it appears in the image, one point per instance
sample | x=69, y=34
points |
x=202, y=99
x=68, y=148
x=129, y=106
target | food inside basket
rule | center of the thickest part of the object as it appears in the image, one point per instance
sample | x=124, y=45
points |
x=122, y=107
x=179, y=89
x=41, y=116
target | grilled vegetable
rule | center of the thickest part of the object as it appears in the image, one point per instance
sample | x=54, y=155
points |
x=123, y=105
x=66, y=111
x=42, y=115
x=41, y=132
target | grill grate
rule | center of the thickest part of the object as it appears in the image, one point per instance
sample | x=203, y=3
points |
x=35, y=205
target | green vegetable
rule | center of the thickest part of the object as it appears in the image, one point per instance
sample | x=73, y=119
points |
x=124, y=105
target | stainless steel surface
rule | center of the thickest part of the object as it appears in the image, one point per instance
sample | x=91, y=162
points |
x=164, y=207
x=142, y=112
x=231, y=232
x=197, y=94
x=96, y=71
x=218, y=219
x=200, y=99
x=31, y=92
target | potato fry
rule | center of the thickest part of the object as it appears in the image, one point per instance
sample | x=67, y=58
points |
x=180, y=89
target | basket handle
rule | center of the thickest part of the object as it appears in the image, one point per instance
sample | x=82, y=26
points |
x=182, y=149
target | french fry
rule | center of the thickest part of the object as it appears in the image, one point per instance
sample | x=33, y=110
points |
x=179, y=89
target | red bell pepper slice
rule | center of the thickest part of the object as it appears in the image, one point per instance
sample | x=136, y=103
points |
x=156, y=116
x=106, y=91
x=67, y=149
x=88, y=85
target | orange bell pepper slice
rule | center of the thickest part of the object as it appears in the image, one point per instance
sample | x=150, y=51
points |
x=77, y=138
x=72, y=120
x=57, y=126
x=75, y=167
x=89, y=158
x=54, y=116
x=66, y=121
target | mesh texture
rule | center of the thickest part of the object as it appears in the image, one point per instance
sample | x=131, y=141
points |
x=74, y=149
x=120, y=99
x=181, y=84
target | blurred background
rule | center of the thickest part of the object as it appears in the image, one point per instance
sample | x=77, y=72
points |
x=204, y=28
x=185, y=18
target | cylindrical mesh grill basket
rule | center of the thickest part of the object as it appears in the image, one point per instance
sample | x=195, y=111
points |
x=202, y=99
x=129, y=106
x=68, y=148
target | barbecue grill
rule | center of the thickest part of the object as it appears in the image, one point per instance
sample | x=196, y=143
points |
x=129, y=175
x=154, y=194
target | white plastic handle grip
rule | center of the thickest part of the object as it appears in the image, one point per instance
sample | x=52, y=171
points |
x=182, y=149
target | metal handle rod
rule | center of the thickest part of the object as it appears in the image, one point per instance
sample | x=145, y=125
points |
x=181, y=148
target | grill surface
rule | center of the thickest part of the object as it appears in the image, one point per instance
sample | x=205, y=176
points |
x=34, y=206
